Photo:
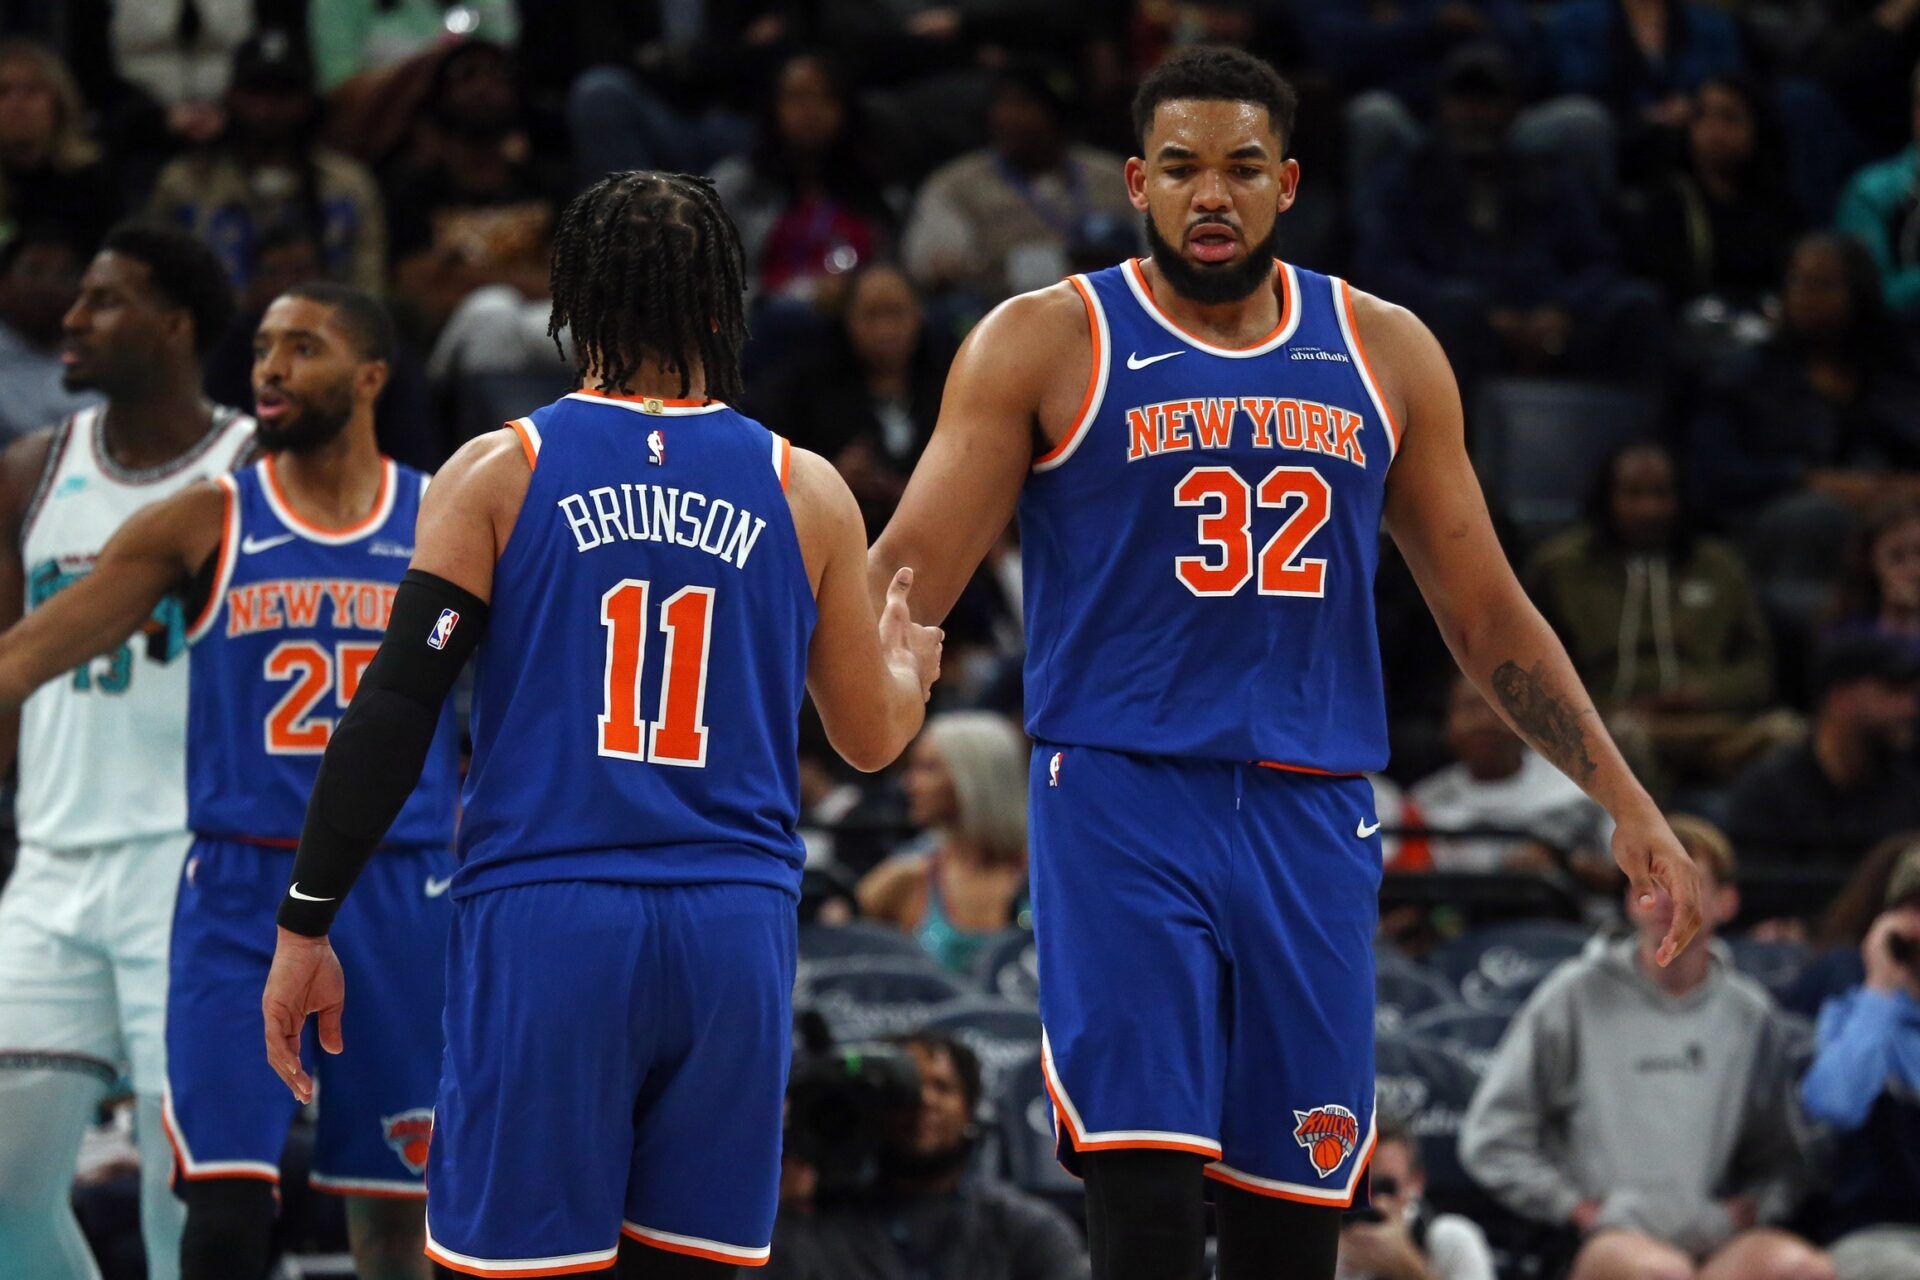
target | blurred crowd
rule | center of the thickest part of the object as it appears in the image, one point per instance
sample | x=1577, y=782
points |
x=1672, y=248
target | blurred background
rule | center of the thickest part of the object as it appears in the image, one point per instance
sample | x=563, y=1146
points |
x=1672, y=248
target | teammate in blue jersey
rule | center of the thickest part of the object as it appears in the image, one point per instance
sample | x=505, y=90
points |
x=652, y=582
x=1203, y=446
x=288, y=571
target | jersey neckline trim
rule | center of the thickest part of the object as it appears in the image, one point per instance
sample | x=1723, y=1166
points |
x=221, y=416
x=277, y=500
x=652, y=406
x=1289, y=313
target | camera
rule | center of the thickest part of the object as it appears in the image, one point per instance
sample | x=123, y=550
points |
x=842, y=1102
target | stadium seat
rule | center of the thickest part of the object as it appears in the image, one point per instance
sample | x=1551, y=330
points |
x=1403, y=990
x=1009, y=967
x=1428, y=1088
x=1003, y=1034
x=1472, y=1033
x=1025, y=1115
x=1498, y=966
x=872, y=998
x=1777, y=966
x=820, y=942
x=1537, y=444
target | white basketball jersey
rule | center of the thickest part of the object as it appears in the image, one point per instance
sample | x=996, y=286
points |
x=103, y=749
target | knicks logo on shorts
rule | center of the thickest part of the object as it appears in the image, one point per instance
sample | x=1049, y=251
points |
x=408, y=1134
x=1329, y=1134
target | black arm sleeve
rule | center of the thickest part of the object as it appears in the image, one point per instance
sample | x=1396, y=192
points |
x=374, y=759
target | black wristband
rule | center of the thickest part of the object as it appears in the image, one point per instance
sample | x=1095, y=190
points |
x=374, y=758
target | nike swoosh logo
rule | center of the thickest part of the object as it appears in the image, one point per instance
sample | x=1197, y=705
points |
x=293, y=891
x=1135, y=362
x=437, y=887
x=250, y=544
x=1365, y=830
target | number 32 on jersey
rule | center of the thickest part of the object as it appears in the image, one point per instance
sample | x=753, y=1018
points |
x=1225, y=529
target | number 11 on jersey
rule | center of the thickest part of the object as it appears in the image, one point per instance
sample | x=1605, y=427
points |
x=679, y=736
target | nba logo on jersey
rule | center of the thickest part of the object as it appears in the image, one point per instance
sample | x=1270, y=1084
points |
x=1053, y=768
x=443, y=629
x=656, y=448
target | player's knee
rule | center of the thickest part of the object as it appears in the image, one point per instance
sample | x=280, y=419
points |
x=229, y=1231
x=1627, y=1255
x=1769, y=1254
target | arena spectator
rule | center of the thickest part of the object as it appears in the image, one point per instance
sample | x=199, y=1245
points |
x=1407, y=1241
x=1662, y=623
x=1880, y=591
x=1835, y=966
x=1643, y=59
x=1508, y=261
x=1500, y=784
x=177, y=53
x=50, y=169
x=810, y=197
x=1853, y=781
x=1865, y=1084
x=1651, y=1110
x=1830, y=401
x=267, y=171
x=1008, y=218
x=1400, y=49
x=469, y=209
x=39, y=279
x=1865, y=61
x=1877, y=209
x=349, y=37
x=927, y=1217
x=868, y=403
x=1717, y=224
x=966, y=785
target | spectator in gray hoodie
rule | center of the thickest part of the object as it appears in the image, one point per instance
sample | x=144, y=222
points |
x=1651, y=1110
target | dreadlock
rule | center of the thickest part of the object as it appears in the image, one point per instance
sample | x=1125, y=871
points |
x=649, y=264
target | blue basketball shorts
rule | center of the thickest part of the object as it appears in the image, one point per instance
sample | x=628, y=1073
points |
x=616, y=1066
x=226, y=1111
x=1205, y=937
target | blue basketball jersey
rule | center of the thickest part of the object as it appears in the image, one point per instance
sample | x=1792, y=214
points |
x=295, y=616
x=1199, y=548
x=637, y=693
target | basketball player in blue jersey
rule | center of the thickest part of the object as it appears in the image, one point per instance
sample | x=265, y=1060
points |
x=287, y=570
x=652, y=582
x=1203, y=446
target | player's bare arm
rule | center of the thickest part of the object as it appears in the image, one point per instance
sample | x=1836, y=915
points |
x=154, y=552
x=470, y=510
x=1439, y=520
x=869, y=679
x=1012, y=392
x=21, y=466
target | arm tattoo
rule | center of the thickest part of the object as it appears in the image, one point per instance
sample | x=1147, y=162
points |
x=1548, y=719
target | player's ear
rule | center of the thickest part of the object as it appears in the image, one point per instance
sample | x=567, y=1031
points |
x=1136, y=173
x=1288, y=186
x=370, y=379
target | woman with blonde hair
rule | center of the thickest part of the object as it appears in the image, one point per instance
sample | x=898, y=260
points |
x=50, y=167
x=966, y=880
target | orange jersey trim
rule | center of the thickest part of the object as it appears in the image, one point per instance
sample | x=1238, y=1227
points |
x=1121, y=1144
x=690, y=1250
x=526, y=443
x=783, y=448
x=1286, y=309
x=380, y=511
x=223, y=564
x=180, y=1162
x=1306, y=769
x=1093, y=377
x=1276, y=1193
x=513, y=1273
x=1366, y=366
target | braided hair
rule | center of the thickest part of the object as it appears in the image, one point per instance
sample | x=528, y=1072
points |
x=649, y=264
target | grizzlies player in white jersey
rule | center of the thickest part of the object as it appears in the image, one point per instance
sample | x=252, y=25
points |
x=1204, y=446
x=102, y=804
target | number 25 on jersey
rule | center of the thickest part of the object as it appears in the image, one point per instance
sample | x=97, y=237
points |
x=679, y=736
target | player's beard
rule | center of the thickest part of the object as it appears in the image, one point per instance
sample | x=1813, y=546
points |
x=1210, y=286
x=316, y=425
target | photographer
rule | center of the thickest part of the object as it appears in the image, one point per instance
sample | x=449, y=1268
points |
x=1865, y=1083
x=1397, y=1237
x=920, y=1216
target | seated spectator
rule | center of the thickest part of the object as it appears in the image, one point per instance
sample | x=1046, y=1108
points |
x=469, y=210
x=1007, y=219
x=1835, y=965
x=39, y=279
x=50, y=169
x=1853, y=781
x=1500, y=784
x=966, y=785
x=1865, y=1085
x=810, y=198
x=177, y=54
x=1880, y=592
x=1865, y=61
x=868, y=403
x=266, y=171
x=1399, y=49
x=1651, y=1110
x=350, y=37
x=1406, y=1240
x=1878, y=210
x=1643, y=59
x=1715, y=225
x=925, y=1216
x=1830, y=402
x=1510, y=262
x=1662, y=623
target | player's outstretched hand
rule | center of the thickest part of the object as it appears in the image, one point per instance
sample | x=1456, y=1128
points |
x=1662, y=878
x=905, y=642
x=305, y=979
